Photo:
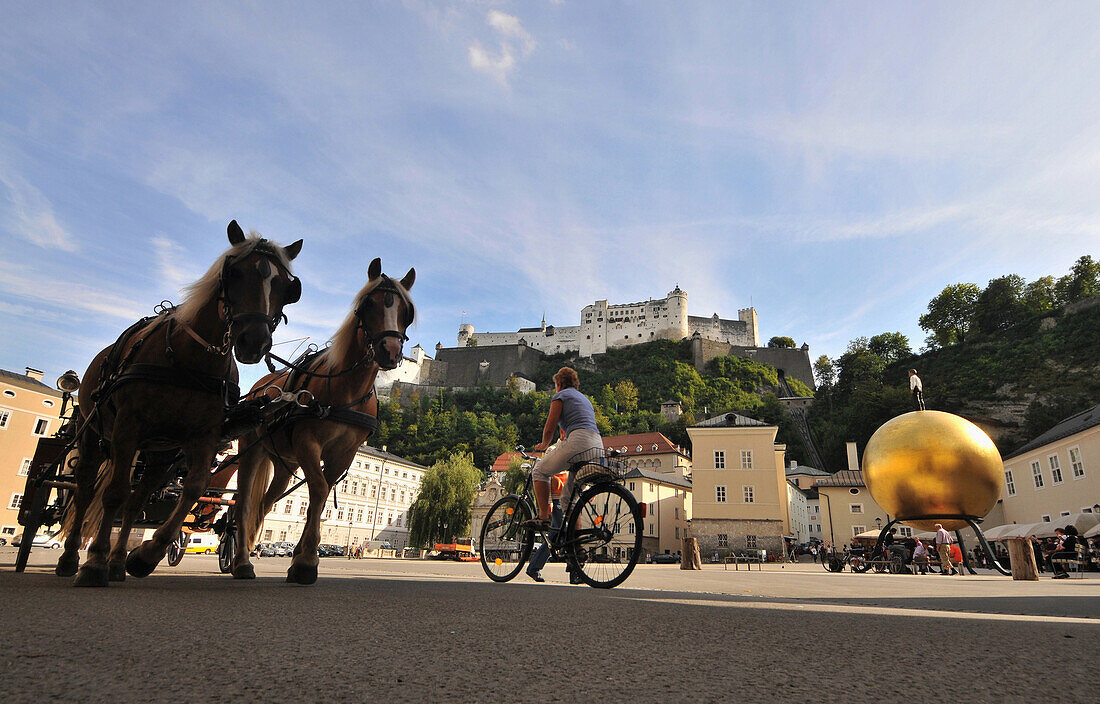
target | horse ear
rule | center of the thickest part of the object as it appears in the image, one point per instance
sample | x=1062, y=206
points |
x=292, y=250
x=410, y=277
x=375, y=269
x=236, y=234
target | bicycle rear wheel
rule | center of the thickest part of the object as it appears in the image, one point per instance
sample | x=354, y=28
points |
x=505, y=543
x=603, y=536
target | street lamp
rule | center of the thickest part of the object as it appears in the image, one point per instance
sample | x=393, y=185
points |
x=878, y=523
x=377, y=494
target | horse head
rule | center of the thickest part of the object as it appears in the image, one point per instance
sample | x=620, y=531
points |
x=385, y=311
x=256, y=283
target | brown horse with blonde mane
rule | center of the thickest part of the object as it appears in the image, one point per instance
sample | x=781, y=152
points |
x=323, y=442
x=163, y=388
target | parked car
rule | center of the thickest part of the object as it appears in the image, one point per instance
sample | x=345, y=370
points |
x=284, y=549
x=42, y=540
x=664, y=559
x=266, y=549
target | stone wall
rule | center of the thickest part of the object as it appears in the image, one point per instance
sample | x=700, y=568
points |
x=795, y=363
x=471, y=366
x=769, y=535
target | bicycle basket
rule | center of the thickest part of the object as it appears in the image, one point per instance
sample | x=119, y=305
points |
x=594, y=465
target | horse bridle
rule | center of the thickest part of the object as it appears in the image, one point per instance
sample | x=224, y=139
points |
x=267, y=250
x=391, y=291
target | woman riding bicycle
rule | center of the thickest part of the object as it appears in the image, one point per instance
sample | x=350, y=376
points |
x=572, y=415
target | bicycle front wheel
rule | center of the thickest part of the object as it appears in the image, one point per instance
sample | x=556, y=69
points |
x=603, y=537
x=505, y=542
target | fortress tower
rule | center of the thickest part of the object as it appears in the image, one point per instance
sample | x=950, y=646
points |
x=678, y=314
x=465, y=332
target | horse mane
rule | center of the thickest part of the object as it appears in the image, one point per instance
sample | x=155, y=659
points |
x=346, y=336
x=205, y=289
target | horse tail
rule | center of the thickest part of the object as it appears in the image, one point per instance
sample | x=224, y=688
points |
x=262, y=473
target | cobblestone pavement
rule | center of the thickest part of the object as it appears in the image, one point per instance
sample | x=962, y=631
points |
x=393, y=630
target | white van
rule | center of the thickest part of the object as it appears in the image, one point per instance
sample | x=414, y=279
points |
x=205, y=543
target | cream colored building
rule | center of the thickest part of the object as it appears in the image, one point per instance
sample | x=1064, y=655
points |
x=805, y=478
x=667, y=496
x=371, y=503
x=797, y=513
x=488, y=494
x=29, y=410
x=1056, y=474
x=652, y=452
x=847, y=508
x=739, y=488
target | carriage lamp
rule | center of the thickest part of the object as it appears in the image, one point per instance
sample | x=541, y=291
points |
x=68, y=382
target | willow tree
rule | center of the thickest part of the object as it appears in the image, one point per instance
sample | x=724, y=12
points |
x=441, y=511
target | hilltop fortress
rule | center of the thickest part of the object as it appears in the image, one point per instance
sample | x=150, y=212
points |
x=495, y=357
x=604, y=326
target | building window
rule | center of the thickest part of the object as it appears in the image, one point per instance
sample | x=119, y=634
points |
x=404, y=475
x=1037, y=474
x=632, y=486
x=340, y=514
x=267, y=534
x=288, y=507
x=9, y=393
x=676, y=513
x=720, y=494
x=750, y=542
x=719, y=459
x=676, y=530
x=359, y=516
x=370, y=516
x=749, y=494
x=25, y=467
x=855, y=508
x=651, y=529
x=630, y=528
x=1055, y=469
x=302, y=508
x=1065, y=513
x=1076, y=463
x=16, y=501
x=1009, y=485
x=355, y=487
x=723, y=540
x=328, y=513
x=5, y=414
x=373, y=490
x=905, y=531
x=41, y=427
x=1046, y=519
x=746, y=459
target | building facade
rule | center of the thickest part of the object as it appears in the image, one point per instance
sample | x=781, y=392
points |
x=805, y=479
x=650, y=451
x=1056, y=474
x=667, y=496
x=29, y=410
x=847, y=508
x=606, y=326
x=371, y=503
x=739, y=489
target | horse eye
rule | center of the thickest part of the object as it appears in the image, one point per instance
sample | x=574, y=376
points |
x=389, y=299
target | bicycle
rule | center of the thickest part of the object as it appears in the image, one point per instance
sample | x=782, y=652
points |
x=601, y=538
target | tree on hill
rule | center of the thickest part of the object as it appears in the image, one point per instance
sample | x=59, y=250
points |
x=824, y=371
x=1039, y=295
x=1083, y=281
x=950, y=314
x=1000, y=305
x=890, y=346
x=442, y=509
x=626, y=396
x=781, y=342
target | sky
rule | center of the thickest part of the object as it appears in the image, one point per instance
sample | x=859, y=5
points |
x=833, y=165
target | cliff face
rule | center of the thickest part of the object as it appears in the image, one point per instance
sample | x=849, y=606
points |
x=1017, y=381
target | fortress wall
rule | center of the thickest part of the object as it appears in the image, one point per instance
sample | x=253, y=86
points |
x=794, y=362
x=732, y=332
x=464, y=364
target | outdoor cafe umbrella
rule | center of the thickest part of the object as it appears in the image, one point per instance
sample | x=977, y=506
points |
x=1093, y=532
x=1081, y=521
x=869, y=534
x=1012, y=530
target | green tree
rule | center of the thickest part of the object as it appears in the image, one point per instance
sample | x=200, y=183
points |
x=1040, y=295
x=515, y=476
x=781, y=342
x=626, y=396
x=824, y=371
x=442, y=510
x=1000, y=305
x=890, y=346
x=1082, y=281
x=950, y=314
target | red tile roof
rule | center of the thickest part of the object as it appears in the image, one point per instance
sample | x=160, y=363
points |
x=505, y=459
x=647, y=441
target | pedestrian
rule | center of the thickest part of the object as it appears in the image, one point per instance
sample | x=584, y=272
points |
x=1066, y=549
x=891, y=548
x=813, y=553
x=916, y=389
x=920, y=557
x=943, y=546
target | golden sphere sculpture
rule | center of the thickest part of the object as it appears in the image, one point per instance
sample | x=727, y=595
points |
x=931, y=463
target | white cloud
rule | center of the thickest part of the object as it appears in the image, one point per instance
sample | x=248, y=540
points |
x=68, y=296
x=514, y=40
x=169, y=263
x=31, y=215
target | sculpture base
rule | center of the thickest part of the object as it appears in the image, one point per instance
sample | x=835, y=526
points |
x=949, y=522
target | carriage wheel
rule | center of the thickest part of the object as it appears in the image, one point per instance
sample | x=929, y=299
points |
x=227, y=548
x=177, y=549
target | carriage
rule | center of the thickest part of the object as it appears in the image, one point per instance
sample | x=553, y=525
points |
x=143, y=446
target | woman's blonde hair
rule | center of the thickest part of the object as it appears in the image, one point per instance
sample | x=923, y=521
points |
x=567, y=378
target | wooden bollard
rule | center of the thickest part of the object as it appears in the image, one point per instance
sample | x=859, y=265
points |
x=689, y=551
x=1022, y=558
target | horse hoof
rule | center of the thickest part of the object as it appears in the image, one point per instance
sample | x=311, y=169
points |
x=302, y=574
x=116, y=572
x=137, y=565
x=91, y=576
x=244, y=572
x=67, y=566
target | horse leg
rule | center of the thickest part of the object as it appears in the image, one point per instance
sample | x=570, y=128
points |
x=143, y=559
x=154, y=477
x=93, y=573
x=303, y=568
x=89, y=459
x=249, y=487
